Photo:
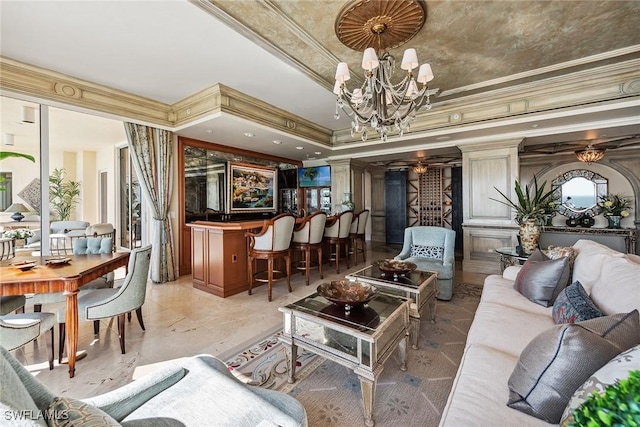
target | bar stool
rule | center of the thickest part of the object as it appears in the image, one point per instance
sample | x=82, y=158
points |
x=271, y=242
x=336, y=233
x=308, y=237
x=357, y=233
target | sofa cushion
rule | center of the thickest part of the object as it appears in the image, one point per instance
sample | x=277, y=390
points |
x=574, y=305
x=78, y=413
x=557, y=361
x=618, y=289
x=500, y=291
x=591, y=258
x=541, y=279
x=425, y=251
x=618, y=368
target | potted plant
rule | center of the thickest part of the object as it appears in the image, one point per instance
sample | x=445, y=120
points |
x=615, y=207
x=618, y=405
x=531, y=211
x=63, y=194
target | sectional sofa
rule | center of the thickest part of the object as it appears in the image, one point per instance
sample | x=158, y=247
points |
x=506, y=322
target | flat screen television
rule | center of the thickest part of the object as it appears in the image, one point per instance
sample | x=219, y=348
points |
x=315, y=176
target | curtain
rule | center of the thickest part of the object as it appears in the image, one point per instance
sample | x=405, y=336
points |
x=151, y=151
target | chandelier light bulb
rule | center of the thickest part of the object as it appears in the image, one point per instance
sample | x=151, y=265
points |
x=370, y=59
x=409, y=60
x=425, y=74
x=342, y=72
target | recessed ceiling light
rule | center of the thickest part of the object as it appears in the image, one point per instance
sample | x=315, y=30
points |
x=209, y=130
x=443, y=138
x=249, y=134
x=535, y=125
x=318, y=152
x=277, y=141
x=298, y=148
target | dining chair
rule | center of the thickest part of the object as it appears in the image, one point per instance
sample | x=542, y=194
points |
x=10, y=303
x=307, y=237
x=81, y=246
x=17, y=330
x=336, y=234
x=357, y=234
x=272, y=242
x=107, y=303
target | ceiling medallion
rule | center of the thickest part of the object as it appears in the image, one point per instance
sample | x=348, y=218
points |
x=590, y=155
x=380, y=105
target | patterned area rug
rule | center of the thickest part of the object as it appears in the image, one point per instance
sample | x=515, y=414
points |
x=331, y=394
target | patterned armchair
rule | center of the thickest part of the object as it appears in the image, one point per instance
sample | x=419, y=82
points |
x=432, y=249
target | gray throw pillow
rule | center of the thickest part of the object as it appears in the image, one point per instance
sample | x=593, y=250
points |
x=540, y=279
x=556, y=362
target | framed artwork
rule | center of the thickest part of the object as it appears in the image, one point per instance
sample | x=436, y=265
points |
x=252, y=188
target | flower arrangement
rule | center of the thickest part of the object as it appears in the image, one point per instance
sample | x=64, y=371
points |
x=19, y=233
x=615, y=205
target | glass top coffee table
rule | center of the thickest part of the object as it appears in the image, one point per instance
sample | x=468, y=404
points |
x=419, y=286
x=361, y=340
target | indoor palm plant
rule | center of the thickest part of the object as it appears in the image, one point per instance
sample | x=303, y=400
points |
x=63, y=194
x=531, y=209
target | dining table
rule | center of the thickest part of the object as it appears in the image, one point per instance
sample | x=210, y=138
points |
x=29, y=274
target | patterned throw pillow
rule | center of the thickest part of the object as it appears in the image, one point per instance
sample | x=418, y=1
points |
x=422, y=251
x=555, y=252
x=556, y=362
x=541, y=279
x=618, y=368
x=68, y=412
x=574, y=305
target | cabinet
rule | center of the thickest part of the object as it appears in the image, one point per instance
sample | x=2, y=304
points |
x=289, y=200
x=317, y=199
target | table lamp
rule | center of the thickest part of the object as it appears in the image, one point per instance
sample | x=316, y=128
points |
x=18, y=208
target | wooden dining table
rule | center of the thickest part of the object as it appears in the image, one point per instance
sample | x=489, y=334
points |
x=66, y=277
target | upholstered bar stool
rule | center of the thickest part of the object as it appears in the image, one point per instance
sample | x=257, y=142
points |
x=308, y=237
x=336, y=234
x=272, y=242
x=357, y=234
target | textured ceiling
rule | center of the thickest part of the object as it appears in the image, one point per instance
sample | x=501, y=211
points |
x=466, y=42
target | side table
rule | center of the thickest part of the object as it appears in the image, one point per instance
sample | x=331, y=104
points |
x=509, y=256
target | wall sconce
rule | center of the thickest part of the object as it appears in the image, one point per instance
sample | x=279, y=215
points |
x=7, y=138
x=590, y=155
x=28, y=114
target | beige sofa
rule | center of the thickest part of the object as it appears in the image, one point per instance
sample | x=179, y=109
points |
x=505, y=322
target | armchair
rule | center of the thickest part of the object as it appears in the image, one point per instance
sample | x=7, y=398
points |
x=432, y=249
x=197, y=390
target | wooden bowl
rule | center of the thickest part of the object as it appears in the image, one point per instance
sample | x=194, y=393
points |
x=394, y=267
x=346, y=292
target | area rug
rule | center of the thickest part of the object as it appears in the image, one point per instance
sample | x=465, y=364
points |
x=330, y=393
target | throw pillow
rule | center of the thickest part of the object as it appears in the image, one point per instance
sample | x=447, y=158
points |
x=618, y=368
x=555, y=252
x=68, y=412
x=540, y=279
x=423, y=251
x=574, y=305
x=554, y=364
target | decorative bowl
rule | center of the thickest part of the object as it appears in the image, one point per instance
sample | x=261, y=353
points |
x=347, y=293
x=395, y=267
x=58, y=260
x=24, y=265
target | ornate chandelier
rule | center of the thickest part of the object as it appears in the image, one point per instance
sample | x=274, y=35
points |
x=420, y=168
x=590, y=155
x=380, y=105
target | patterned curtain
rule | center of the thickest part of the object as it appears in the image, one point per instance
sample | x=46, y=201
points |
x=151, y=150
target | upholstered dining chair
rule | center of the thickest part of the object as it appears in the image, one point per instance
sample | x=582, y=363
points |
x=272, y=242
x=432, y=249
x=336, y=234
x=357, y=234
x=106, y=303
x=17, y=330
x=10, y=303
x=307, y=237
x=81, y=246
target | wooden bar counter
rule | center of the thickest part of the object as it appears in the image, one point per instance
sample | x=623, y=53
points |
x=219, y=256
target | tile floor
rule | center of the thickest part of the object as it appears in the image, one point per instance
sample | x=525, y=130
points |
x=180, y=321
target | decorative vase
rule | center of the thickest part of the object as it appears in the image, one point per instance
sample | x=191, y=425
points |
x=20, y=243
x=614, y=221
x=529, y=236
x=347, y=204
x=587, y=221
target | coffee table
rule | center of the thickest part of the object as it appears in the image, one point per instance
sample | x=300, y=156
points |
x=361, y=340
x=419, y=286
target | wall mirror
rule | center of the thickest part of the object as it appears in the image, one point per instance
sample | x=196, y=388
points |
x=577, y=193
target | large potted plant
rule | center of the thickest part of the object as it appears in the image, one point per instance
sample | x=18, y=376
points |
x=63, y=194
x=531, y=211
